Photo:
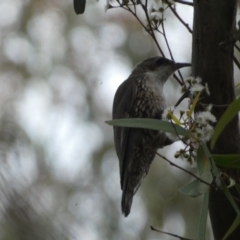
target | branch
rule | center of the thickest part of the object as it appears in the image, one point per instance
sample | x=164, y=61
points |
x=185, y=95
x=151, y=31
x=215, y=105
x=180, y=19
x=170, y=234
x=170, y=52
x=186, y=171
x=184, y=2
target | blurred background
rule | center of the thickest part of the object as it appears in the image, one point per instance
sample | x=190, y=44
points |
x=59, y=173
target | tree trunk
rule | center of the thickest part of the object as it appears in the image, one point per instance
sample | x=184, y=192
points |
x=214, y=22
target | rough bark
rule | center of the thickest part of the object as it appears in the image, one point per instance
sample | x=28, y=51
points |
x=214, y=21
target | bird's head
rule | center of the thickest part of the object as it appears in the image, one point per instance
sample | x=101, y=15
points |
x=159, y=67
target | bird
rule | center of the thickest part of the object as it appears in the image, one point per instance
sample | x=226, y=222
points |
x=140, y=96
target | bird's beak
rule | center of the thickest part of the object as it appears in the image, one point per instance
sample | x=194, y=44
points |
x=181, y=65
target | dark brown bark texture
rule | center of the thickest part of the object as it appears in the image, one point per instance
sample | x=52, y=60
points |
x=214, y=22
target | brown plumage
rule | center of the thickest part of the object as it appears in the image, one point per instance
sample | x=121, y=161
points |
x=140, y=96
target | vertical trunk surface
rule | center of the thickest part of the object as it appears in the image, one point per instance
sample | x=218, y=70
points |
x=214, y=21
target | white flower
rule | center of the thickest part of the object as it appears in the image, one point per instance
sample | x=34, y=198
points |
x=196, y=88
x=165, y=114
x=208, y=108
x=204, y=117
x=199, y=118
x=207, y=89
x=209, y=116
x=204, y=132
x=155, y=16
x=192, y=80
x=207, y=133
x=198, y=80
x=189, y=79
x=150, y=8
x=194, y=153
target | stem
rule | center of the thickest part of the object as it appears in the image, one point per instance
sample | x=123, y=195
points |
x=180, y=19
x=170, y=52
x=184, y=2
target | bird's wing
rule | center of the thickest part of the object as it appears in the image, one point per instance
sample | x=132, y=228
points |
x=122, y=108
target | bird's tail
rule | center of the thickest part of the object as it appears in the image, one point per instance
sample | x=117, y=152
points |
x=127, y=197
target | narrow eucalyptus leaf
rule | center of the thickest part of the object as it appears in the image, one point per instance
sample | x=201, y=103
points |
x=203, y=187
x=191, y=189
x=228, y=115
x=213, y=167
x=203, y=162
x=232, y=183
x=235, y=224
x=148, y=123
x=203, y=217
x=227, y=160
x=230, y=197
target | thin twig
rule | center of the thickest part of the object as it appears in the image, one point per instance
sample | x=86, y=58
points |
x=165, y=37
x=170, y=52
x=180, y=19
x=151, y=31
x=215, y=105
x=170, y=234
x=180, y=138
x=135, y=9
x=185, y=95
x=184, y=170
x=184, y=2
x=193, y=175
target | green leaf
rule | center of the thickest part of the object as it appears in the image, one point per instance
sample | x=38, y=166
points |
x=228, y=115
x=174, y=119
x=206, y=151
x=203, y=187
x=237, y=188
x=205, y=168
x=232, y=183
x=203, y=217
x=194, y=104
x=191, y=189
x=227, y=160
x=214, y=169
x=148, y=123
x=230, y=197
x=234, y=225
x=203, y=162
